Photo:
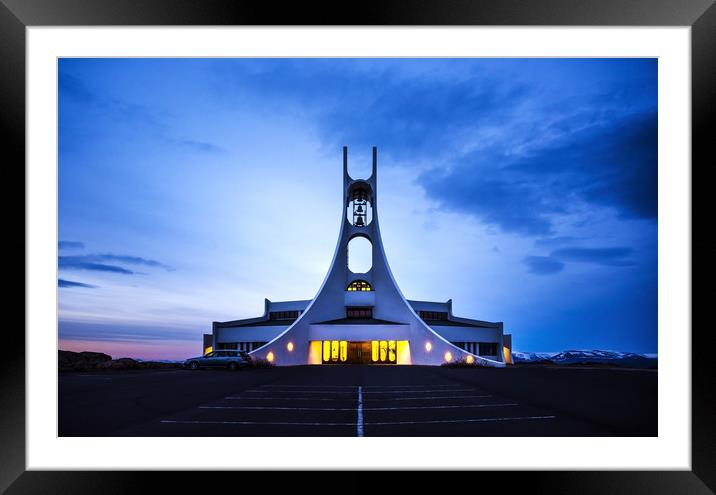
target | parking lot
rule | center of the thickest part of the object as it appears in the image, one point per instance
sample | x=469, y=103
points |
x=360, y=401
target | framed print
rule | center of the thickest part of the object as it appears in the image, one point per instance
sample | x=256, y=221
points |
x=523, y=305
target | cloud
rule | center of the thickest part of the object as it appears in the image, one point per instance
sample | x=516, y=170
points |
x=550, y=242
x=543, y=265
x=132, y=260
x=103, y=262
x=117, y=332
x=70, y=245
x=616, y=256
x=69, y=283
x=557, y=259
x=118, y=109
x=515, y=143
x=84, y=263
x=611, y=164
x=199, y=146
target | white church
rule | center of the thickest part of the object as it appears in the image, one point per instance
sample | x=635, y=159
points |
x=362, y=318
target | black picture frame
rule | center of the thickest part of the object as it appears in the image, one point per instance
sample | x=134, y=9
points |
x=16, y=15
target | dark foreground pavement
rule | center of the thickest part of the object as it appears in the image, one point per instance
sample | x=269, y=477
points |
x=360, y=400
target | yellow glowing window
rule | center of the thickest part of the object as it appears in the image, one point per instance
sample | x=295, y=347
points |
x=391, y=351
x=334, y=350
x=359, y=286
x=383, y=350
x=326, y=350
x=374, y=350
x=207, y=350
x=344, y=350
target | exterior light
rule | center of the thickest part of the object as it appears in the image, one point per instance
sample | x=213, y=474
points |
x=428, y=346
x=289, y=346
x=448, y=356
x=269, y=357
x=470, y=359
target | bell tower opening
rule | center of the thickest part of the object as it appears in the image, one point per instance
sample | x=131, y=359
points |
x=360, y=210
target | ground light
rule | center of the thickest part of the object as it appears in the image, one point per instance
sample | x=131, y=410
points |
x=448, y=356
x=470, y=360
x=289, y=346
x=428, y=346
x=269, y=357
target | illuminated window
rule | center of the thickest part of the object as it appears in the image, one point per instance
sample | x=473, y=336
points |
x=391, y=351
x=359, y=286
x=384, y=351
x=335, y=351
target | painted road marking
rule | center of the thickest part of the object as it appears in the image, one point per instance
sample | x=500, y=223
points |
x=287, y=398
x=442, y=397
x=382, y=399
x=412, y=408
x=359, y=428
x=364, y=386
x=422, y=391
x=254, y=391
x=476, y=420
x=382, y=423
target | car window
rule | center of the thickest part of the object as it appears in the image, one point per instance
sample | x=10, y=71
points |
x=232, y=354
x=220, y=354
x=211, y=354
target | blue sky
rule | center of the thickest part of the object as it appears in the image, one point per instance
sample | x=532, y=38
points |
x=523, y=189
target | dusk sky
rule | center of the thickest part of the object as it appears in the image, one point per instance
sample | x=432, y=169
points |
x=525, y=190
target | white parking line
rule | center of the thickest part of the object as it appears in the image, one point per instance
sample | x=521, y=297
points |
x=421, y=391
x=254, y=391
x=411, y=408
x=442, y=397
x=382, y=399
x=477, y=420
x=309, y=386
x=382, y=423
x=287, y=398
x=359, y=429
x=285, y=423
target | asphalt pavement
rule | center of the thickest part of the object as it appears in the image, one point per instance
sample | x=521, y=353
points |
x=354, y=400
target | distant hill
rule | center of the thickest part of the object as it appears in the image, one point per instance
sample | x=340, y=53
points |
x=616, y=358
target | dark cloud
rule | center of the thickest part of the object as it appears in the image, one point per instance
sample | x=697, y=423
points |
x=132, y=260
x=70, y=245
x=557, y=260
x=69, y=283
x=616, y=256
x=514, y=143
x=543, y=265
x=612, y=164
x=84, y=263
x=551, y=242
x=103, y=262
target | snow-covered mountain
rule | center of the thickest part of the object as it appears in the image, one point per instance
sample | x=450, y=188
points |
x=531, y=356
x=588, y=356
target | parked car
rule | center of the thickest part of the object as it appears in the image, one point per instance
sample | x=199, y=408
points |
x=232, y=360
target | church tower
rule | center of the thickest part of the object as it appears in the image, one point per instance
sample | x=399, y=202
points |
x=361, y=317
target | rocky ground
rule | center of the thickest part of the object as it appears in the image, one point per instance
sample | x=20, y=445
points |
x=97, y=361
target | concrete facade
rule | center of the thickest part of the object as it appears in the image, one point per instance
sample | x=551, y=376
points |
x=362, y=307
